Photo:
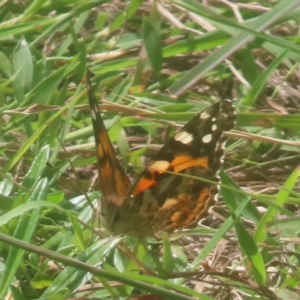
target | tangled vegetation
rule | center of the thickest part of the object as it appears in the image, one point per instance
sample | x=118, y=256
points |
x=156, y=65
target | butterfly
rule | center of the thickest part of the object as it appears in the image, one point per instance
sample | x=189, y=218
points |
x=178, y=187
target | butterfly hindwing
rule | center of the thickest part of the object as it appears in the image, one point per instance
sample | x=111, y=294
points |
x=172, y=183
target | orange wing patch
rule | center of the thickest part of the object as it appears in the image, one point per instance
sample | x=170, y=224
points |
x=113, y=180
x=188, y=212
x=180, y=163
x=183, y=162
x=178, y=187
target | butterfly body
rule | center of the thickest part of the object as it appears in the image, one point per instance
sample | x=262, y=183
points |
x=180, y=185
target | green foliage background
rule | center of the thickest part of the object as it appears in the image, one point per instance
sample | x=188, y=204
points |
x=156, y=65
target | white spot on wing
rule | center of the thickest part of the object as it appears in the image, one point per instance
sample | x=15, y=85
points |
x=216, y=196
x=204, y=115
x=213, y=119
x=93, y=114
x=183, y=137
x=207, y=138
x=214, y=127
x=223, y=145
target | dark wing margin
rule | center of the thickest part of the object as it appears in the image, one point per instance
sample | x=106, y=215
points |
x=199, y=143
x=114, y=183
x=196, y=153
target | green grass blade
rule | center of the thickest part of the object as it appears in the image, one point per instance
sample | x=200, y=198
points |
x=281, y=198
x=24, y=208
x=262, y=80
x=13, y=160
x=24, y=232
x=153, y=46
x=236, y=42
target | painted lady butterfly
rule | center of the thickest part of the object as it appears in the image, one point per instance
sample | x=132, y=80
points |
x=170, y=193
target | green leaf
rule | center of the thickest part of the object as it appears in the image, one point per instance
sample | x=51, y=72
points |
x=236, y=42
x=168, y=260
x=232, y=198
x=16, y=293
x=34, y=173
x=128, y=12
x=280, y=199
x=153, y=46
x=23, y=66
x=45, y=89
x=6, y=185
x=5, y=65
x=24, y=208
x=24, y=232
x=71, y=277
x=13, y=160
x=262, y=80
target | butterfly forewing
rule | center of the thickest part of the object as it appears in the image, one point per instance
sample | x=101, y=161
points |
x=113, y=181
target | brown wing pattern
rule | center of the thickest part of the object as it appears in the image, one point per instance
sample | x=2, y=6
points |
x=113, y=180
x=177, y=189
